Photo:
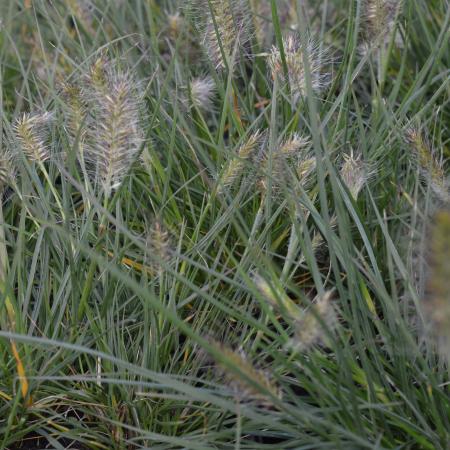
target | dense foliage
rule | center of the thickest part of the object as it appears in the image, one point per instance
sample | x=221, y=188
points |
x=225, y=224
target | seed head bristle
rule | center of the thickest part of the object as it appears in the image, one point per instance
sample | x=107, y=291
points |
x=296, y=77
x=311, y=329
x=75, y=113
x=430, y=168
x=236, y=166
x=32, y=131
x=305, y=168
x=291, y=153
x=114, y=133
x=355, y=173
x=294, y=144
x=226, y=26
x=243, y=389
x=202, y=92
x=97, y=77
x=437, y=302
x=7, y=169
x=379, y=16
x=159, y=245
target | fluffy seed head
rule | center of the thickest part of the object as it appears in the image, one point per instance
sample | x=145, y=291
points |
x=290, y=154
x=114, y=133
x=355, y=173
x=7, y=170
x=296, y=78
x=236, y=166
x=437, y=304
x=379, y=17
x=430, y=168
x=311, y=329
x=226, y=27
x=97, y=77
x=158, y=245
x=75, y=113
x=202, y=92
x=294, y=144
x=305, y=168
x=32, y=131
x=243, y=389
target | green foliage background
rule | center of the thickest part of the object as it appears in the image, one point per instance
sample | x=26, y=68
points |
x=153, y=326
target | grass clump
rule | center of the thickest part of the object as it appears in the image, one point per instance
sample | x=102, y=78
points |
x=224, y=225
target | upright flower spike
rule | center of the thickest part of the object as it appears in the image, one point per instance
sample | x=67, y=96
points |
x=97, y=77
x=294, y=51
x=226, y=27
x=236, y=166
x=290, y=150
x=114, y=135
x=75, y=113
x=159, y=245
x=379, y=17
x=437, y=304
x=430, y=168
x=32, y=131
x=7, y=170
x=305, y=168
x=202, y=91
x=242, y=388
x=290, y=153
x=294, y=145
x=355, y=173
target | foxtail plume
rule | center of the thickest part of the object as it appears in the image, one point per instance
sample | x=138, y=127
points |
x=114, y=135
x=32, y=131
x=294, y=50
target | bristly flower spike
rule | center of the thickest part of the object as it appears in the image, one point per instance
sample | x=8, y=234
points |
x=159, y=246
x=294, y=145
x=311, y=329
x=430, y=168
x=115, y=133
x=355, y=173
x=289, y=153
x=236, y=166
x=32, y=131
x=294, y=51
x=202, y=90
x=276, y=297
x=244, y=386
x=380, y=16
x=226, y=27
x=75, y=114
x=7, y=169
x=97, y=75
